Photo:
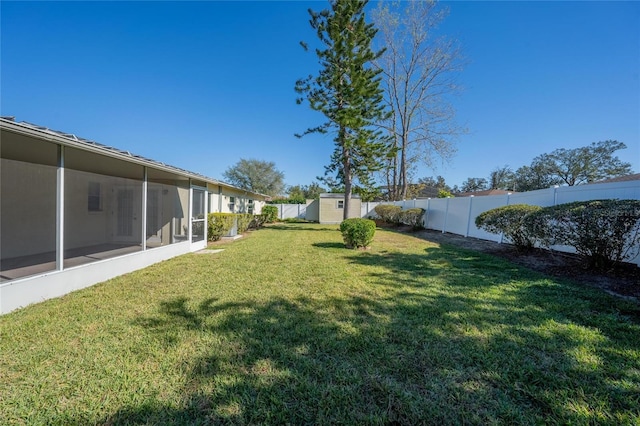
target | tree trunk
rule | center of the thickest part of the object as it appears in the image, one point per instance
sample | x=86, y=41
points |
x=347, y=183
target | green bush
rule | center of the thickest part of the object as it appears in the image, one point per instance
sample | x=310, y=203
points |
x=512, y=222
x=244, y=220
x=219, y=224
x=271, y=213
x=603, y=232
x=357, y=232
x=412, y=217
x=258, y=221
x=388, y=212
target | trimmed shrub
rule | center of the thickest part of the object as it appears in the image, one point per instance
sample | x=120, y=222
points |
x=412, y=217
x=270, y=213
x=388, y=212
x=357, y=232
x=512, y=222
x=218, y=224
x=258, y=221
x=603, y=232
x=244, y=220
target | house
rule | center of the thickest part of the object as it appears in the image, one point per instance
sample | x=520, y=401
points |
x=331, y=208
x=74, y=212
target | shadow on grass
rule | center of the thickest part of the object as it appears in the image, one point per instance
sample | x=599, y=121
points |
x=302, y=227
x=330, y=245
x=490, y=344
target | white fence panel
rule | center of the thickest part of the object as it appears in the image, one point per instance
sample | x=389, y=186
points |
x=367, y=209
x=622, y=190
x=540, y=197
x=458, y=215
x=436, y=214
x=289, y=211
x=480, y=205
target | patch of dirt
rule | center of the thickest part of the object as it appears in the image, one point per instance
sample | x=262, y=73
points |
x=624, y=281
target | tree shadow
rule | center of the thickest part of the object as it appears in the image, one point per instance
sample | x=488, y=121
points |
x=487, y=351
x=302, y=227
x=329, y=245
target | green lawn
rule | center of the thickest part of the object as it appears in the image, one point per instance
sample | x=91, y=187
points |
x=287, y=326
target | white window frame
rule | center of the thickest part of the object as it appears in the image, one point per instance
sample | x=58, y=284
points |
x=340, y=204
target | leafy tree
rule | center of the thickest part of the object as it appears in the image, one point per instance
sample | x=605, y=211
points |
x=501, y=178
x=256, y=176
x=443, y=193
x=536, y=176
x=347, y=91
x=474, y=185
x=296, y=192
x=437, y=182
x=586, y=164
x=418, y=70
x=306, y=192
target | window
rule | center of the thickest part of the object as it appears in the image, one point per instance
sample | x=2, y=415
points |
x=94, y=200
x=232, y=204
x=250, y=206
x=341, y=204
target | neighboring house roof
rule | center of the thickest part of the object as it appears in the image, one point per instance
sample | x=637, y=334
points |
x=70, y=139
x=625, y=178
x=484, y=193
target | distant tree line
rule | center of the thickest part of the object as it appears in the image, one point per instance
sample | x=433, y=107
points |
x=570, y=167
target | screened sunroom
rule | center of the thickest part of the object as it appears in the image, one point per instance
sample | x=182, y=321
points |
x=74, y=213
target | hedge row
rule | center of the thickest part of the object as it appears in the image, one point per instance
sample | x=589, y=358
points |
x=603, y=232
x=219, y=224
x=394, y=214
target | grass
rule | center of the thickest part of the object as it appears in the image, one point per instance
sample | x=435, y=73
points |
x=286, y=326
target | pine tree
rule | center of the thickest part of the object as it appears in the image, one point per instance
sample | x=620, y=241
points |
x=347, y=91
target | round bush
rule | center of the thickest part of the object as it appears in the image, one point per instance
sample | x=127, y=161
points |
x=602, y=231
x=412, y=217
x=512, y=222
x=219, y=224
x=388, y=212
x=270, y=213
x=357, y=232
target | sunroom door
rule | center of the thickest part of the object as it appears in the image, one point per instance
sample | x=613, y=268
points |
x=126, y=215
x=154, y=217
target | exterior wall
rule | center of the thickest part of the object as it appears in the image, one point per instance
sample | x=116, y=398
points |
x=313, y=210
x=103, y=203
x=329, y=212
x=22, y=292
x=28, y=208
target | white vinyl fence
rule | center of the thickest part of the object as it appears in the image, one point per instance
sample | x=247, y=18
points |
x=457, y=215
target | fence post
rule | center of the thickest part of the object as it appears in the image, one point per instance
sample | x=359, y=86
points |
x=469, y=216
x=446, y=214
x=426, y=219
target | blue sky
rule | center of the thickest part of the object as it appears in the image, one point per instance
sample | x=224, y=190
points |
x=200, y=85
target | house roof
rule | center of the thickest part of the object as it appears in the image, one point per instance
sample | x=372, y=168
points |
x=625, y=178
x=69, y=139
x=484, y=193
